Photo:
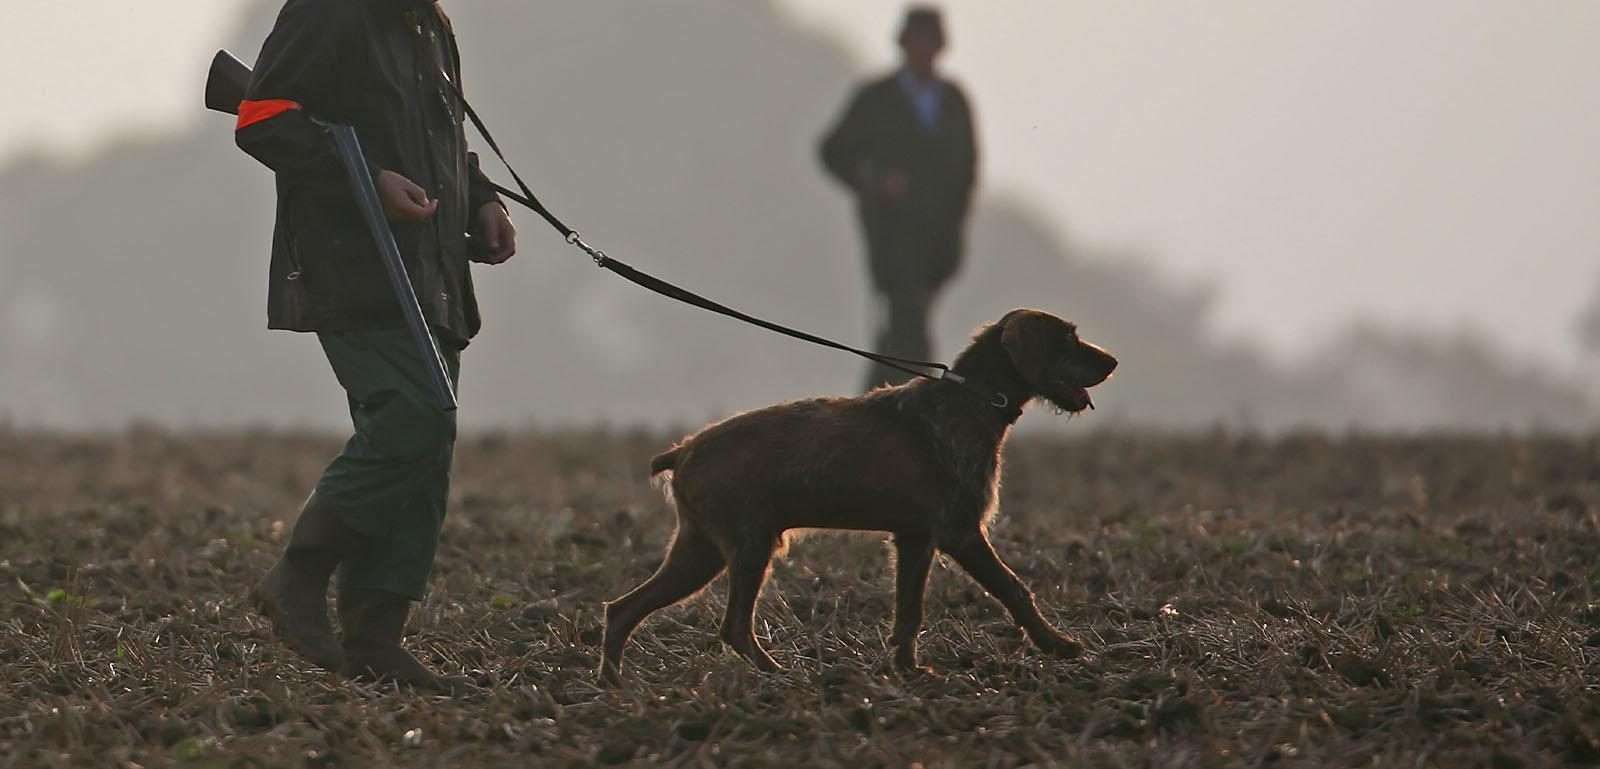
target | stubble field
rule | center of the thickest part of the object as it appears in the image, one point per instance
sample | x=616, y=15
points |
x=1303, y=601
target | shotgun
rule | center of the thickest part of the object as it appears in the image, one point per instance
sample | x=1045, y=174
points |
x=225, y=89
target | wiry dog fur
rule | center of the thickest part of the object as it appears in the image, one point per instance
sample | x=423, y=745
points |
x=920, y=460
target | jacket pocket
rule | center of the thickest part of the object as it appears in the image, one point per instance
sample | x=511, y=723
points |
x=338, y=260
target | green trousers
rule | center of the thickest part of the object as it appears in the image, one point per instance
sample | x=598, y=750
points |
x=391, y=481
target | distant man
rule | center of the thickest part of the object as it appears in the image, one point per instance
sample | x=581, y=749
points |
x=907, y=150
x=375, y=516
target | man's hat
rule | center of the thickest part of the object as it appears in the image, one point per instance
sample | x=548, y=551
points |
x=923, y=19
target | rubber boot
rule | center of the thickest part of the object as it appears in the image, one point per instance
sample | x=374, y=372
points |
x=374, y=621
x=293, y=594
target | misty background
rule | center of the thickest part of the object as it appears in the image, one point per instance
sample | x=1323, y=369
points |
x=1277, y=214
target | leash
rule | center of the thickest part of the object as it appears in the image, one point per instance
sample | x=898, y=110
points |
x=530, y=201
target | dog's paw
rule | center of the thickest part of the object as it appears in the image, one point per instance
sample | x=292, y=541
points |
x=1060, y=645
x=905, y=663
x=914, y=671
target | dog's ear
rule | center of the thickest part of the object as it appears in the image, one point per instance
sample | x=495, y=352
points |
x=1024, y=334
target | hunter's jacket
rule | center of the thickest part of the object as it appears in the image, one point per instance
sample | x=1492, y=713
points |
x=379, y=66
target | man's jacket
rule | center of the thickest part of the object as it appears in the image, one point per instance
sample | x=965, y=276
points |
x=916, y=242
x=374, y=65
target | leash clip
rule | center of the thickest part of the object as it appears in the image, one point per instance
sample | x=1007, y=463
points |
x=600, y=258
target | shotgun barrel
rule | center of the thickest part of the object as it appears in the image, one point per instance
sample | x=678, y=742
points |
x=366, y=194
x=225, y=89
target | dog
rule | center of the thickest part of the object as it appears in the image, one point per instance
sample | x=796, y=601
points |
x=920, y=461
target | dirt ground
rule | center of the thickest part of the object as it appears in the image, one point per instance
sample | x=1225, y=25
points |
x=1303, y=601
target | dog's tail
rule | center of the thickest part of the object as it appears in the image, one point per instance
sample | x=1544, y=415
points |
x=664, y=462
x=661, y=467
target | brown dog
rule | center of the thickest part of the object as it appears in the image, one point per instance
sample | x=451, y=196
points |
x=920, y=460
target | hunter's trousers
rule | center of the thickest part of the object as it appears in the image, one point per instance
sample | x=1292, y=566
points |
x=391, y=481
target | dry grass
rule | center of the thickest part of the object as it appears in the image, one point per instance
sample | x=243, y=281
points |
x=1299, y=602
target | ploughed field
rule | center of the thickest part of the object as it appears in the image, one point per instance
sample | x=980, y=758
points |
x=1304, y=601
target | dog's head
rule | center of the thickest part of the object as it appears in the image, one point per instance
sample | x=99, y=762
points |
x=1054, y=362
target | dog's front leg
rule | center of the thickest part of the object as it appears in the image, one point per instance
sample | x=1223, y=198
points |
x=977, y=556
x=913, y=557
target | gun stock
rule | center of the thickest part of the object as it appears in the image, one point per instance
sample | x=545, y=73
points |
x=226, y=84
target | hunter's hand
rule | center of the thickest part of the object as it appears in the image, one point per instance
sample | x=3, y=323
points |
x=894, y=186
x=499, y=234
x=403, y=200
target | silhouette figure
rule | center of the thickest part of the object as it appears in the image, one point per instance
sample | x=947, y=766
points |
x=907, y=150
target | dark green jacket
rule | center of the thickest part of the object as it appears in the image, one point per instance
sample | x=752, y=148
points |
x=916, y=243
x=374, y=65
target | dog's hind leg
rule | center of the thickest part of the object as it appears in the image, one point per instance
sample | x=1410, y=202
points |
x=977, y=556
x=913, y=558
x=747, y=571
x=692, y=561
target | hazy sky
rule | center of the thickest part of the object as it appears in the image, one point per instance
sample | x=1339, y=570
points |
x=1430, y=161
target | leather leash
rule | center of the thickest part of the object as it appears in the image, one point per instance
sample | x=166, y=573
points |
x=526, y=198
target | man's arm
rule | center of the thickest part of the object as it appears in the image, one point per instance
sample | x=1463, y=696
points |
x=493, y=220
x=480, y=190
x=294, y=75
x=844, y=148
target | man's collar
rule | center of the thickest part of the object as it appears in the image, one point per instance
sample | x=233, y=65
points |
x=912, y=80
